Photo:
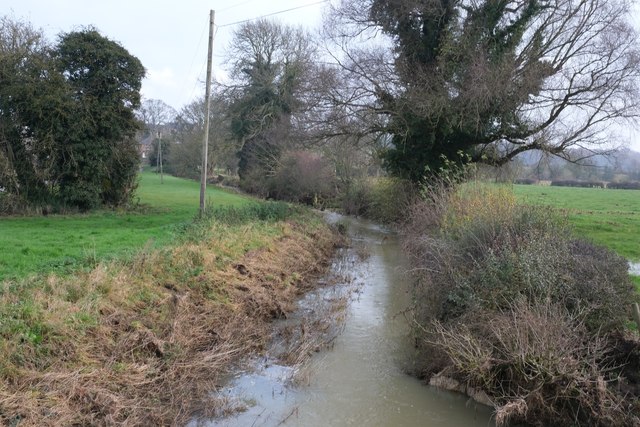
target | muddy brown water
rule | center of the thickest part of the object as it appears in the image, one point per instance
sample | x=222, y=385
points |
x=361, y=380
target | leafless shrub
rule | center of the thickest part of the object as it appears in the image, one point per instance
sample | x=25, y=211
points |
x=303, y=176
x=510, y=302
x=537, y=362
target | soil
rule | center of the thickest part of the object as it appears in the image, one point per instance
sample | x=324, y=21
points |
x=626, y=354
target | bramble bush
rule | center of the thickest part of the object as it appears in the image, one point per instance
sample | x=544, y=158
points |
x=304, y=177
x=507, y=300
x=383, y=199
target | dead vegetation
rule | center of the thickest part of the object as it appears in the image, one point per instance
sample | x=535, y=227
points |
x=511, y=305
x=316, y=323
x=146, y=343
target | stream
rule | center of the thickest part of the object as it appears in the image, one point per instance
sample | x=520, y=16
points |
x=361, y=379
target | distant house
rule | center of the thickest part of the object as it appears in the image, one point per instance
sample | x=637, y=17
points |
x=144, y=147
x=146, y=139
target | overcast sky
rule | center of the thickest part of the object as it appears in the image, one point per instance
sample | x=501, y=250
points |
x=169, y=37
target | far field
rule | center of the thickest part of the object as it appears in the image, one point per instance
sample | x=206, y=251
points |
x=65, y=242
x=607, y=217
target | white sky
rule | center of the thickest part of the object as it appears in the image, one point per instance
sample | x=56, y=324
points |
x=170, y=37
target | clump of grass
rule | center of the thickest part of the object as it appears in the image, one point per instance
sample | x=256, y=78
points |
x=251, y=213
x=509, y=301
x=257, y=211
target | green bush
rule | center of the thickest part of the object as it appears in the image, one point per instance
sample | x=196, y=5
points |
x=390, y=198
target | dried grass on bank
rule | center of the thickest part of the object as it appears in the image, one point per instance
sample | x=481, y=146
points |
x=146, y=343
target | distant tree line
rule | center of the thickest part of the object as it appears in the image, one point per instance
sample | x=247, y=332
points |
x=622, y=185
x=67, y=123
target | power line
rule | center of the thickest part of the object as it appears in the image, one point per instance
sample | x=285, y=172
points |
x=274, y=13
x=240, y=22
x=184, y=82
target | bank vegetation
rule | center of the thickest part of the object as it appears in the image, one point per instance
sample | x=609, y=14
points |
x=146, y=341
x=512, y=308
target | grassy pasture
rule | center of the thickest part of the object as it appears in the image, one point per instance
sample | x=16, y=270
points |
x=67, y=242
x=144, y=339
x=607, y=217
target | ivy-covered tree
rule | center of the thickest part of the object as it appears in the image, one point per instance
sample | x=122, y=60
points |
x=271, y=63
x=482, y=81
x=105, y=81
x=34, y=110
x=66, y=118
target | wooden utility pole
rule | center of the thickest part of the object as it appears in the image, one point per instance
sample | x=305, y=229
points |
x=207, y=101
x=159, y=161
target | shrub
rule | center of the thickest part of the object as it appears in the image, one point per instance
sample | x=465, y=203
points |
x=356, y=198
x=526, y=181
x=11, y=204
x=577, y=183
x=255, y=182
x=389, y=199
x=511, y=302
x=383, y=199
x=303, y=177
x=537, y=362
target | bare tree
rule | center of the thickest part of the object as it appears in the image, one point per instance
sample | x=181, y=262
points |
x=482, y=80
x=155, y=114
x=273, y=66
x=186, y=156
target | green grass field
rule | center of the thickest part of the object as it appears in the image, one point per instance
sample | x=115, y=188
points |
x=607, y=217
x=67, y=242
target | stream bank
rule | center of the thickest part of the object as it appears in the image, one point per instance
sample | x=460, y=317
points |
x=361, y=378
x=144, y=341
